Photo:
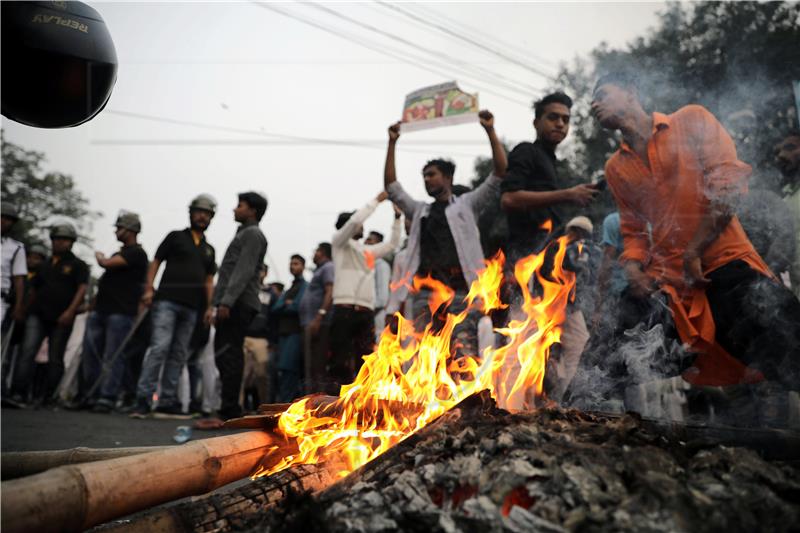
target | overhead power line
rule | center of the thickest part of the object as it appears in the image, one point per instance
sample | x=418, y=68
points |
x=496, y=40
x=461, y=37
x=523, y=88
x=421, y=63
x=276, y=139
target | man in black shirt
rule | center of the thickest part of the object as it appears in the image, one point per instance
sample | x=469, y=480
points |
x=56, y=293
x=186, y=286
x=116, y=306
x=530, y=190
x=236, y=298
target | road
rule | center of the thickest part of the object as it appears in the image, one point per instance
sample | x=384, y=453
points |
x=47, y=429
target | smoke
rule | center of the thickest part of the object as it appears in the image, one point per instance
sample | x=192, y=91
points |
x=612, y=369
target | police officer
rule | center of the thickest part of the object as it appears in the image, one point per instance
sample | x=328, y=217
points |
x=185, y=290
x=56, y=293
x=13, y=267
x=118, y=293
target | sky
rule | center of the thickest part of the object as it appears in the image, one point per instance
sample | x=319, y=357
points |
x=207, y=93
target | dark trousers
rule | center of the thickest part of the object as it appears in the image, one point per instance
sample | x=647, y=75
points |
x=134, y=357
x=352, y=336
x=757, y=321
x=229, y=358
x=36, y=330
x=103, y=337
x=315, y=359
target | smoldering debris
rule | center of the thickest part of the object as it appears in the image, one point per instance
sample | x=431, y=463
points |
x=551, y=470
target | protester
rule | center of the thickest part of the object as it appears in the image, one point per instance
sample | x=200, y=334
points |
x=611, y=279
x=531, y=190
x=315, y=317
x=680, y=174
x=186, y=286
x=57, y=292
x=13, y=267
x=256, y=347
x=383, y=275
x=236, y=298
x=114, y=314
x=574, y=335
x=290, y=334
x=353, y=325
x=444, y=241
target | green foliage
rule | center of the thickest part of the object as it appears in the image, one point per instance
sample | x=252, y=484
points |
x=737, y=59
x=41, y=197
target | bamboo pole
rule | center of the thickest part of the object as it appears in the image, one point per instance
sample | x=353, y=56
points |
x=228, y=509
x=20, y=464
x=76, y=497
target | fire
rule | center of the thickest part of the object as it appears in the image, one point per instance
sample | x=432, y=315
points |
x=412, y=377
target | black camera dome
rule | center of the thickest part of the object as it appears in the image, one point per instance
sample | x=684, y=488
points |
x=58, y=63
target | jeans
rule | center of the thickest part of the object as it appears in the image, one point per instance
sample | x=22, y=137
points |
x=36, y=330
x=173, y=325
x=229, y=357
x=134, y=357
x=103, y=337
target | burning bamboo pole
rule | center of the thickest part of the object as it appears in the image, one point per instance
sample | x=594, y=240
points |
x=76, y=497
x=21, y=464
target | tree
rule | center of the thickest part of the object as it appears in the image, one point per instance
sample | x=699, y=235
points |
x=737, y=59
x=41, y=198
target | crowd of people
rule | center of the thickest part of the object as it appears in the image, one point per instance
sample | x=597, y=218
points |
x=673, y=254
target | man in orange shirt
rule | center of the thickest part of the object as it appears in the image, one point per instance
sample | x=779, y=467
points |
x=679, y=175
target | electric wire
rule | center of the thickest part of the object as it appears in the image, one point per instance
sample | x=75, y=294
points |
x=521, y=88
x=277, y=138
x=384, y=50
x=469, y=40
x=431, y=13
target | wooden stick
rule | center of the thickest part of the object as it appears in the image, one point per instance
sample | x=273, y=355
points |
x=76, y=497
x=20, y=464
x=227, y=509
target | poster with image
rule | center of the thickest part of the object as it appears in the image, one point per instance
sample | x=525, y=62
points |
x=438, y=105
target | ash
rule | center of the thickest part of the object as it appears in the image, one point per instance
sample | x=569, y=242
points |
x=550, y=470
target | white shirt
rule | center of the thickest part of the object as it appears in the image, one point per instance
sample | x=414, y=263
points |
x=13, y=261
x=354, y=262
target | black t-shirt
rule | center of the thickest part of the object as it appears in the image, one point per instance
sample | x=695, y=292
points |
x=438, y=255
x=119, y=289
x=188, y=265
x=531, y=167
x=56, y=285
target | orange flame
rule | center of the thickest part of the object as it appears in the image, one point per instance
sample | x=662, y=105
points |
x=412, y=376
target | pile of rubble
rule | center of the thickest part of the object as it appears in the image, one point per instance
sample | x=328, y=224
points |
x=482, y=469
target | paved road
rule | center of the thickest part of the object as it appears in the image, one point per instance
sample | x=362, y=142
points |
x=45, y=429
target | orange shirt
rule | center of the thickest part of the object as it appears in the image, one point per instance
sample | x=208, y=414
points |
x=692, y=159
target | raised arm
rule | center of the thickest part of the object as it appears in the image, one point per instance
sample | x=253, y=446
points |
x=350, y=228
x=389, y=173
x=489, y=190
x=498, y=152
x=383, y=249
